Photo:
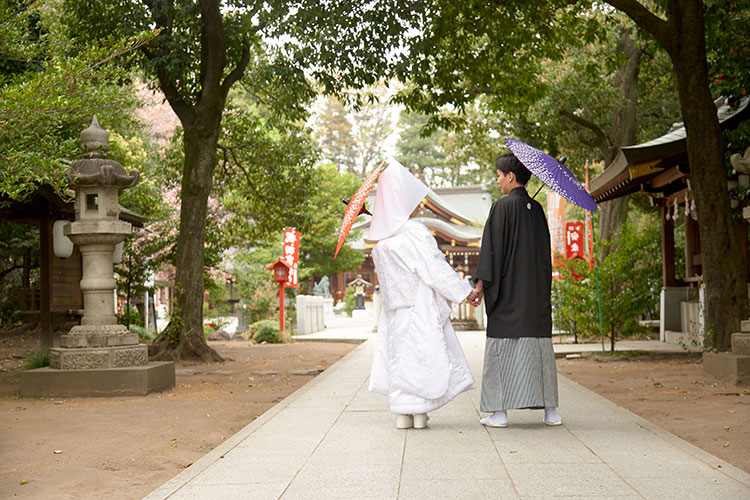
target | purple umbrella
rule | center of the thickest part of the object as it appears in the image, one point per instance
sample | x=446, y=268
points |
x=552, y=173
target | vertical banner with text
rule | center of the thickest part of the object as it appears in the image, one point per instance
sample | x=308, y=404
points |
x=290, y=254
x=574, y=240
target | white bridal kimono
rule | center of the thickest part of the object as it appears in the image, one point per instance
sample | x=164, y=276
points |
x=418, y=362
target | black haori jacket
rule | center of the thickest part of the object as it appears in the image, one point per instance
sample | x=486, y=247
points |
x=515, y=266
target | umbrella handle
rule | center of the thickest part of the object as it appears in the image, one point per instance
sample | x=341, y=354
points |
x=362, y=210
x=562, y=161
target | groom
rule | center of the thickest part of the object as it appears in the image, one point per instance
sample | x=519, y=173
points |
x=515, y=277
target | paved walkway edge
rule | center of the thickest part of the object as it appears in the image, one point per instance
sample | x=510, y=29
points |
x=726, y=468
x=184, y=477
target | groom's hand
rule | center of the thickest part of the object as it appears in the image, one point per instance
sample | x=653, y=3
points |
x=475, y=296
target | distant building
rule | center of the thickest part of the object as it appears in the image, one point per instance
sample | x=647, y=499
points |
x=455, y=216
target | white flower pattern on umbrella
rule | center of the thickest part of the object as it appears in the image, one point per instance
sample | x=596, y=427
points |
x=552, y=173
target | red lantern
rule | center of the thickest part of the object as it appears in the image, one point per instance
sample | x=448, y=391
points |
x=280, y=275
x=280, y=271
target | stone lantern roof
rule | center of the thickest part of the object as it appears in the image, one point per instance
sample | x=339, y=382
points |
x=96, y=169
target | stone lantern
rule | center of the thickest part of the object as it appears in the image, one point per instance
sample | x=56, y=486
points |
x=99, y=356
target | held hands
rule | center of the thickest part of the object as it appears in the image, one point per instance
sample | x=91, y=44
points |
x=475, y=296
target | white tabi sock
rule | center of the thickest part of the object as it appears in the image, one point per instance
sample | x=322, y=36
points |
x=497, y=419
x=551, y=417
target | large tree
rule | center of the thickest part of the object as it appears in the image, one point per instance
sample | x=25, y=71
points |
x=602, y=96
x=202, y=48
x=680, y=29
x=196, y=88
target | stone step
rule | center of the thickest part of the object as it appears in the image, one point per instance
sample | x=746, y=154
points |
x=745, y=324
x=741, y=344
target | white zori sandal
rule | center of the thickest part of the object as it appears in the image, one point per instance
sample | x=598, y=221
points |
x=404, y=421
x=420, y=420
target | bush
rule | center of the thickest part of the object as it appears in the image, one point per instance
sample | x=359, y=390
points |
x=254, y=328
x=270, y=335
x=130, y=316
x=630, y=281
x=143, y=334
x=350, y=301
x=36, y=360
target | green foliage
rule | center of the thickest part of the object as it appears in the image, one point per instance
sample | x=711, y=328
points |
x=254, y=328
x=728, y=47
x=130, y=316
x=466, y=49
x=43, y=113
x=266, y=176
x=269, y=334
x=629, y=280
x=319, y=234
x=36, y=360
x=143, y=333
x=420, y=153
x=16, y=241
x=350, y=302
x=354, y=138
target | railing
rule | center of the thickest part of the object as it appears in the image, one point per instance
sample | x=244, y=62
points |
x=310, y=314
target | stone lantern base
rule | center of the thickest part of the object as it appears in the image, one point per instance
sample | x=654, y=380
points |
x=127, y=381
x=734, y=366
x=98, y=360
x=89, y=347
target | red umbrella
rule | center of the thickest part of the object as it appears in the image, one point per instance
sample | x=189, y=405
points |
x=356, y=207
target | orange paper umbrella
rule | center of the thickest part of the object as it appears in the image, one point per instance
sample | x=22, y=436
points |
x=356, y=207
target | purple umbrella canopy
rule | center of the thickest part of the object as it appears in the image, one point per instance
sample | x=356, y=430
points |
x=552, y=173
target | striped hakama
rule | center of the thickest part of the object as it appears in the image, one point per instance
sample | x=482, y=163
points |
x=518, y=373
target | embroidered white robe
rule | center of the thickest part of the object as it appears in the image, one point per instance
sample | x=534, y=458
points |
x=418, y=361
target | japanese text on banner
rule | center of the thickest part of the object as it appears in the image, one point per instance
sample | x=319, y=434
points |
x=574, y=242
x=290, y=254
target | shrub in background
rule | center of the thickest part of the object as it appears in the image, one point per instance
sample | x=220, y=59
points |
x=130, y=316
x=36, y=360
x=143, y=334
x=630, y=282
x=350, y=301
x=270, y=334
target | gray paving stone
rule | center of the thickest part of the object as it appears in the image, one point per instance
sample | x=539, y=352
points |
x=249, y=467
x=689, y=488
x=567, y=480
x=421, y=466
x=262, y=491
x=352, y=481
x=456, y=489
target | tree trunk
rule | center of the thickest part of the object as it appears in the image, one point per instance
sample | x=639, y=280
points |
x=183, y=338
x=624, y=132
x=724, y=268
x=612, y=215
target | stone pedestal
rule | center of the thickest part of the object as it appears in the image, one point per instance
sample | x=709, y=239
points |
x=734, y=366
x=124, y=381
x=360, y=314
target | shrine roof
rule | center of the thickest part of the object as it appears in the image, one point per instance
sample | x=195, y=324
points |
x=635, y=164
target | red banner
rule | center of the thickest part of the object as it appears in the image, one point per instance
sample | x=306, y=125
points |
x=574, y=242
x=290, y=254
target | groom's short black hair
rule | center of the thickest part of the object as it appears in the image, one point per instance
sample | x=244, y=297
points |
x=509, y=163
